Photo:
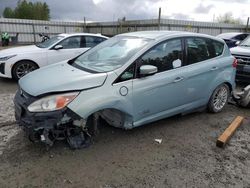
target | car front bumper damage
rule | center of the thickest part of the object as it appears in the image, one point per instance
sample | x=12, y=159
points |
x=48, y=127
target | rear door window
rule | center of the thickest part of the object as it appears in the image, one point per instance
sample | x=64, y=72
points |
x=91, y=41
x=218, y=47
x=201, y=49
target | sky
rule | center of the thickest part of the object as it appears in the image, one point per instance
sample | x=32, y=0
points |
x=111, y=10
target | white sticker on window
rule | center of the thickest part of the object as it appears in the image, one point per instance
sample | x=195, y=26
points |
x=176, y=63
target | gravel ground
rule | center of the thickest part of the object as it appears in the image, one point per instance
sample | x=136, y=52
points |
x=8, y=129
x=187, y=156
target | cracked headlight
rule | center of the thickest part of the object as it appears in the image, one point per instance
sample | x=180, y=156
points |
x=52, y=103
x=5, y=58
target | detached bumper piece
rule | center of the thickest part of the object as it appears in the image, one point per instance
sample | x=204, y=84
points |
x=242, y=98
x=48, y=127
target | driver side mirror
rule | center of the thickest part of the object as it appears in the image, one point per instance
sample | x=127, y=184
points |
x=147, y=70
x=58, y=47
x=237, y=43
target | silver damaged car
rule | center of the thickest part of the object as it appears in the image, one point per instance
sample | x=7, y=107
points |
x=129, y=80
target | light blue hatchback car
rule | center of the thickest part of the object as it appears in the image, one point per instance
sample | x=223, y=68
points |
x=129, y=80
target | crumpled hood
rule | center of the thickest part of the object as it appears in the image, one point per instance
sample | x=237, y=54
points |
x=240, y=50
x=60, y=77
x=18, y=50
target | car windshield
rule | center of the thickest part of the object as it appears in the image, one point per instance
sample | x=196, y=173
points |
x=48, y=43
x=245, y=42
x=110, y=54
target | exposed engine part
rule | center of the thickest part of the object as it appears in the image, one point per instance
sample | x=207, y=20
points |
x=74, y=132
x=45, y=138
x=48, y=127
x=77, y=138
x=80, y=123
x=242, y=98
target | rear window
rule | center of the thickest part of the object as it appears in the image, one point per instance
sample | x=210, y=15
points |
x=201, y=49
x=91, y=41
x=227, y=35
x=241, y=37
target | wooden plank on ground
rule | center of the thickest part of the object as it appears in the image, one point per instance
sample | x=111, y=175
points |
x=223, y=139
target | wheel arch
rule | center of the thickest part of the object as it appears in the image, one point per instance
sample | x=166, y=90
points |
x=229, y=86
x=29, y=60
x=225, y=82
x=210, y=105
x=115, y=117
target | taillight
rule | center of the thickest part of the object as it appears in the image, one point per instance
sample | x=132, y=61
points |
x=235, y=63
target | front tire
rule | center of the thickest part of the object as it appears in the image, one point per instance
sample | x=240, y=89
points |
x=219, y=99
x=22, y=68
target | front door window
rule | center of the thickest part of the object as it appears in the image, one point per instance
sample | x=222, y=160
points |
x=165, y=56
x=71, y=42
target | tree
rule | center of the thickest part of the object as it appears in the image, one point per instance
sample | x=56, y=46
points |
x=28, y=10
x=41, y=11
x=24, y=10
x=228, y=18
x=8, y=13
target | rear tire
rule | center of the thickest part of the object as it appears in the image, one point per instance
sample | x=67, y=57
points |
x=219, y=99
x=22, y=68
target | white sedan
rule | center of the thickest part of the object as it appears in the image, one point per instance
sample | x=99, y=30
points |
x=18, y=61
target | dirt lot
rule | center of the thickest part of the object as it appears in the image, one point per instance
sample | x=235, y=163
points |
x=187, y=156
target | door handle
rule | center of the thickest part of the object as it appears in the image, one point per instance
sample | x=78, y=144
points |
x=178, y=79
x=214, y=68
